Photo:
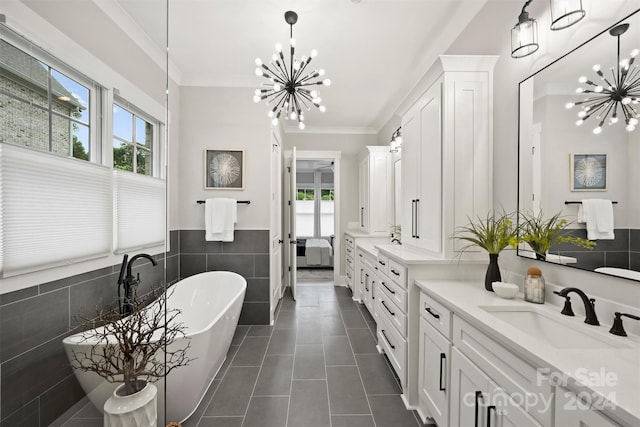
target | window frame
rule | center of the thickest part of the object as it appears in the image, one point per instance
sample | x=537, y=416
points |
x=96, y=94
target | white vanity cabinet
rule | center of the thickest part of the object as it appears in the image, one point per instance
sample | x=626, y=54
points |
x=447, y=153
x=349, y=261
x=571, y=411
x=369, y=282
x=434, y=360
x=374, y=189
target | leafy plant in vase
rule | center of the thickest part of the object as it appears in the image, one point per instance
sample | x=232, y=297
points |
x=135, y=351
x=493, y=234
x=540, y=233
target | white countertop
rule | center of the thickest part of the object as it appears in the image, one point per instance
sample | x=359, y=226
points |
x=583, y=368
x=411, y=255
x=369, y=248
x=358, y=233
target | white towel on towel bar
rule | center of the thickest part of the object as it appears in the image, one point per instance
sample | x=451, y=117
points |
x=220, y=215
x=598, y=216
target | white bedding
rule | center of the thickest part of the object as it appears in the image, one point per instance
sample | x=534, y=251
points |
x=318, y=252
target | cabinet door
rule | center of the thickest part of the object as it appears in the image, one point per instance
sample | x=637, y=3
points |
x=469, y=392
x=429, y=204
x=379, y=183
x=571, y=411
x=433, y=373
x=410, y=174
x=504, y=412
x=363, y=194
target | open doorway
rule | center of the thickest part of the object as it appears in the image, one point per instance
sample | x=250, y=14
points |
x=315, y=250
x=315, y=221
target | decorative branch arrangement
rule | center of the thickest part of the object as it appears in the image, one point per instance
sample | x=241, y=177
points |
x=130, y=350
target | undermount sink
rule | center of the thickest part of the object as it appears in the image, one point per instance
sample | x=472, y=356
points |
x=551, y=329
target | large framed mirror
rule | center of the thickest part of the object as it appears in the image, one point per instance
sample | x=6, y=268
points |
x=567, y=156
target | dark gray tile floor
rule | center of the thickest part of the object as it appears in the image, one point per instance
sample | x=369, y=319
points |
x=317, y=366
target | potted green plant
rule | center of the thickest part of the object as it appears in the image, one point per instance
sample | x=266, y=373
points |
x=540, y=233
x=493, y=233
x=134, y=351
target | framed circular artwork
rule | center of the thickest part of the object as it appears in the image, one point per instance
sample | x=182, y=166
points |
x=588, y=172
x=224, y=169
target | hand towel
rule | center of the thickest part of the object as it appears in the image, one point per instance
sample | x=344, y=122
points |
x=598, y=216
x=220, y=215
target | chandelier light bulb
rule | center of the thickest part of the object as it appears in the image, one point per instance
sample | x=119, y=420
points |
x=257, y=99
x=579, y=90
x=277, y=87
x=301, y=125
x=582, y=79
x=633, y=121
x=579, y=122
x=630, y=128
x=322, y=108
x=317, y=100
x=292, y=42
x=582, y=114
x=274, y=122
x=326, y=82
x=293, y=115
x=314, y=53
x=597, y=130
x=598, y=89
x=596, y=68
x=270, y=114
x=321, y=72
x=626, y=100
x=274, y=57
x=296, y=65
x=569, y=105
x=278, y=47
x=258, y=62
x=634, y=53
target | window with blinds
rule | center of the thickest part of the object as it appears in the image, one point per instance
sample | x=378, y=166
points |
x=54, y=210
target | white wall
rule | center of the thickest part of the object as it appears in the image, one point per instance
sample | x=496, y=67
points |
x=223, y=118
x=489, y=33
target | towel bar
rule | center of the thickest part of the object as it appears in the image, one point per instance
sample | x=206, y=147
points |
x=578, y=203
x=244, y=202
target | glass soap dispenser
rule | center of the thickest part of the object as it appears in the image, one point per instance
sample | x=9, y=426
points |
x=534, y=286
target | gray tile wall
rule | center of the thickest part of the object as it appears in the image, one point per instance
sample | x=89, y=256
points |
x=622, y=252
x=36, y=382
x=247, y=255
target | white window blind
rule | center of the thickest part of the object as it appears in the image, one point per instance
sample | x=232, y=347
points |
x=53, y=210
x=140, y=211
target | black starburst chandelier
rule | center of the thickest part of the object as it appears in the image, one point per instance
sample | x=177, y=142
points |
x=288, y=86
x=619, y=95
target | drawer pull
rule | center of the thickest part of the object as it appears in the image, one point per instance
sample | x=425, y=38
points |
x=395, y=272
x=390, y=312
x=443, y=358
x=381, y=263
x=428, y=309
x=390, y=290
x=348, y=275
x=360, y=255
x=393, y=347
x=477, y=415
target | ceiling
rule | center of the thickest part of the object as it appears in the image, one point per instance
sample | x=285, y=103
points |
x=374, y=51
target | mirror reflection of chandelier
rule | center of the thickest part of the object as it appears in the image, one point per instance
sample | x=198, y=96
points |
x=614, y=97
x=288, y=86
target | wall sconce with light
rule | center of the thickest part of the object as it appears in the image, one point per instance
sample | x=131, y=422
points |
x=524, y=35
x=396, y=141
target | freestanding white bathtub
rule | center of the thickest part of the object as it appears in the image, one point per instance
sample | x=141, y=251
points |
x=210, y=304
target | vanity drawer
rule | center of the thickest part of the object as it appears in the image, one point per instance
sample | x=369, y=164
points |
x=349, y=263
x=394, y=291
x=349, y=250
x=436, y=314
x=394, y=346
x=398, y=273
x=386, y=307
x=348, y=241
x=515, y=376
x=349, y=276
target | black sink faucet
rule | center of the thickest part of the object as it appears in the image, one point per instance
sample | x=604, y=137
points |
x=589, y=309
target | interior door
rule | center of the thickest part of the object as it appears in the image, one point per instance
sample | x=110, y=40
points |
x=293, y=264
x=276, y=224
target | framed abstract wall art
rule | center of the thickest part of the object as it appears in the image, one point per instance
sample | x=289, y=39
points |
x=224, y=169
x=588, y=172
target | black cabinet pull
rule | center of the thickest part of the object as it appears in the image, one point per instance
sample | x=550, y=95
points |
x=477, y=415
x=428, y=309
x=413, y=218
x=361, y=217
x=381, y=263
x=390, y=312
x=443, y=358
x=395, y=272
x=393, y=347
x=417, y=217
x=389, y=289
x=489, y=409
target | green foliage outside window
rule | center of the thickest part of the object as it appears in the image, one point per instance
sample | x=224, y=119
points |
x=327, y=195
x=305, y=194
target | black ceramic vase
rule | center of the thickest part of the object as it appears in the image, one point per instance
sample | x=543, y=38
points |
x=493, y=273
